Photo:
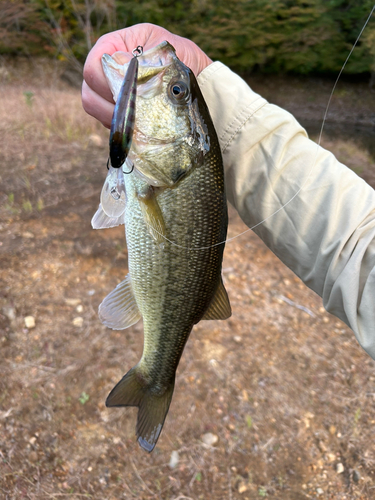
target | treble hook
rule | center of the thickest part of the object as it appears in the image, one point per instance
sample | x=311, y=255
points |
x=123, y=170
x=127, y=173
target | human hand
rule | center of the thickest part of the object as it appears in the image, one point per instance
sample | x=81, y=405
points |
x=96, y=95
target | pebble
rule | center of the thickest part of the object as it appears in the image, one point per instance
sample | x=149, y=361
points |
x=10, y=313
x=237, y=339
x=29, y=322
x=79, y=308
x=32, y=440
x=308, y=416
x=209, y=439
x=72, y=302
x=319, y=491
x=356, y=476
x=28, y=235
x=340, y=468
x=78, y=321
x=322, y=446
x=242, y=487
x=173, y=462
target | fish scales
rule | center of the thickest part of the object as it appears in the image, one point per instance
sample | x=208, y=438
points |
x=176, y=223
x=166, y=290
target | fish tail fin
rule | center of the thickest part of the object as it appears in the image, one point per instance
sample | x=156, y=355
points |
x=152, y=406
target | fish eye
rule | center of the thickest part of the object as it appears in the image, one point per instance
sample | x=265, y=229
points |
x=179, y=91
x=176, y=89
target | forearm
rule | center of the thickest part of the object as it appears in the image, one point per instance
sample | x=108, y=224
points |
x=326, y=231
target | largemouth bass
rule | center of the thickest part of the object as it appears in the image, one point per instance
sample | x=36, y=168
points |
x=176, y=223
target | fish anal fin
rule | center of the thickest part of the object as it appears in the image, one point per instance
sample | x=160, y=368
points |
x=153, y=405
x=152, y=215
x=220, y=305
x=119, y=309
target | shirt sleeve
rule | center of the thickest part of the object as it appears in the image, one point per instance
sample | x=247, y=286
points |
x=312, y=211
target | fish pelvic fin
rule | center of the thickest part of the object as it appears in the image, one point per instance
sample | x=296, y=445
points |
x=153, y=405
x=119, y=309
x=219, y=307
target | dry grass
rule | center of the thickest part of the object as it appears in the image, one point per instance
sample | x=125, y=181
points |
x=45, y=131
x=288, y=392
x=38, y=115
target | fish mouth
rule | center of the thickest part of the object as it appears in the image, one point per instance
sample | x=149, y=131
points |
x=161, y=55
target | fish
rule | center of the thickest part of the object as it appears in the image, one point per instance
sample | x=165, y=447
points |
x=175, y=217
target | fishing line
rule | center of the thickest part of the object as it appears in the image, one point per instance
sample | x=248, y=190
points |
x=311, y=168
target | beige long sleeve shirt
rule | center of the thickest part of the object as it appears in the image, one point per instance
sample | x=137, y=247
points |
x=325, y=232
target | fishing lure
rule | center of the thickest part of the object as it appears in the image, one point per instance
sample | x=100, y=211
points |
x=112, y=197
x=122, y=125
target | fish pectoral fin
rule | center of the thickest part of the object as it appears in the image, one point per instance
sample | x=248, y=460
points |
x=153, y=406
x=119, y=309
x=152, y=215
x=220, y=305
x=102, y=221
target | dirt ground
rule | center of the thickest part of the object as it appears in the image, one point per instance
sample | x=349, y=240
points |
x=277, y=402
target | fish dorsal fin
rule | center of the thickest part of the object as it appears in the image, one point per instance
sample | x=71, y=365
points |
x=152, y=215
x=119, y=309
x=220, y=305
x=102, y=221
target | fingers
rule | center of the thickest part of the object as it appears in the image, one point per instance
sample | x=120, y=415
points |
x=96, y=95
x=97, y=106
x=93, y=72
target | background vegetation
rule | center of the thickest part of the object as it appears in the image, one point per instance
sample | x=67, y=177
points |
x=278, y=36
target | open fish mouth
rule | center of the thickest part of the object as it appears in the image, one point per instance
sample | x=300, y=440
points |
x=160, y=56
x=151, y=63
